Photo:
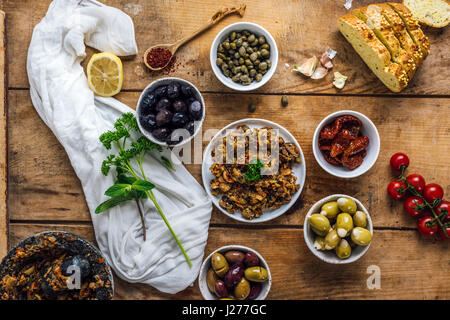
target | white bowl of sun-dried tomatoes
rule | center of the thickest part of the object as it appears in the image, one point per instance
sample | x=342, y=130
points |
x=346, y=144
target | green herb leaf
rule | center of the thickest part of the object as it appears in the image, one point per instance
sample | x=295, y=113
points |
x=112, y=202
x=143, y=185
x=167, y=163
x=118, y=189
x=253, y=173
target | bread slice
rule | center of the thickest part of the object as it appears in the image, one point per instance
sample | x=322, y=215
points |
x=375, y=20
x=401, y=33
x=433, y=13
x=413, y=27
x=373, y=52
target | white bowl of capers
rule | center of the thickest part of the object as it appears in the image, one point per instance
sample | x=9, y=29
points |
x=244, y=56
x=338, y=229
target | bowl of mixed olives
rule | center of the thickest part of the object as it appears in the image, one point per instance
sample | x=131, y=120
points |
x=234, y=273
x=338, y=229
x=170, y=111
x=244, y=56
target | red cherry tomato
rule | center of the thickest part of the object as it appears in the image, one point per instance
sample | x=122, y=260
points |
x=396, y=189
x=425, y=228
x=432, y=192
x=442, y=234
x=441, y=208
x=417, y=181
x=398, y=161
x=414, y=206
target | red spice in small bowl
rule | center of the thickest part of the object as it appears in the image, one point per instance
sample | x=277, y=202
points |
x=158, y=57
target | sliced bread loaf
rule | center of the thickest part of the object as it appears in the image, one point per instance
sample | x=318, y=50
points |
x=373, y=52
x=402, y=33
x=413, y=27
x=375, y=20
x=433, y=13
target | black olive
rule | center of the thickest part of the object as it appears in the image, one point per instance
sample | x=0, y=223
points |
x=163, y=103
x=195, y=110
x=179, y=106
x=187, y=90
x=179, y=120
x=173, y=90
x=163, y=117
x=160, y=92
x=161, y=133
x=148, y=121
x=148, y=103
x=190, y=127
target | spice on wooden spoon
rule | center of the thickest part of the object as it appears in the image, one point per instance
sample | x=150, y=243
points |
x=159, y=56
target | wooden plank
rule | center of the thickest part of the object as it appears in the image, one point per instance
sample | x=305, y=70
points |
x=411, y=267
x=3, y=140
x=43, y=186
x=301, y=29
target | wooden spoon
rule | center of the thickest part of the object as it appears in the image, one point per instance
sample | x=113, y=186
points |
x=172, y=48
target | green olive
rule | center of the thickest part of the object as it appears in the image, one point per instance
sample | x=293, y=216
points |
x=242, y=289
x=256, y=274
x=347, y=205
x=360, y=219
x=319, y=243
x=330, y=209
x=361, y=236
x=211, y=279
x=219, y=264
x=319, y=224
x=344, y=224
x=343, y=249
x=331, y=240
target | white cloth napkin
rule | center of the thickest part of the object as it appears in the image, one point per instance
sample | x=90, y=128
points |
x=61, y=96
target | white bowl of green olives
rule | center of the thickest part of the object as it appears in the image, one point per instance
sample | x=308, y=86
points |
x=338, y=229
x=244, y=56
x=234, y=273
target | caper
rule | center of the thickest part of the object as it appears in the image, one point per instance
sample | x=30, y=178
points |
x=231, y=52
x=221, y=49
x=252, y=107
x=253, y=56
x=244, y=69
x=343, y=249
x=233, y=45
x=236, y=62
x=242, y=51
x=347, y=205
x=361, y=236
x=249, y=50
x=344, y=224
x=239, y=42
x=360, y=219
x=319, y=224
x=319, y=243
x=258, y=77
x=262, y=66
x=245, y=33
x=244, y=78
x=331, y=240
x=219, y=264
x=221, y=55
x=241, y=61
x=269, y=63
x=226, y=45
x=251, y=38
x=254, y=43
x=262, y=40
x=219, y=62
x=256, y=274
x=235, y=78
x=224, y=67
x=248, y=62
x=252, y=73
x=233, y=36
x=245, y=44
x=265, y=53
x=257, y=62
x=263, y=72
x=330, y=209
x=242, y=289
x=265, y=46
x=237, y=55
x=227, y=73
x=285, y=102
x=236, y=70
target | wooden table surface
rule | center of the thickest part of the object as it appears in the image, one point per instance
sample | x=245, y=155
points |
x=43, y=192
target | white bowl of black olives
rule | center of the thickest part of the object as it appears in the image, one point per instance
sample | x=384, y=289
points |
x=234, y=273
x=170, y=111
x=244, y=56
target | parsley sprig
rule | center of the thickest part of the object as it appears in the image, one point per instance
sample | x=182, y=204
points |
x=131, y=185
x=253, y=173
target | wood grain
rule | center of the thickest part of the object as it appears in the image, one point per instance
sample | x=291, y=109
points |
x=3, y=140
x=43, y=186
x=297, y=274
x=300, y=28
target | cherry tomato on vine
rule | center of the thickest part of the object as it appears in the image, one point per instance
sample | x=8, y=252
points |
x=441, y=207
x=425, y=228
x=442, y=234
x=432, y=192
x=397, y=189
x=414, y=206
x=398, y=161
x=417, y=181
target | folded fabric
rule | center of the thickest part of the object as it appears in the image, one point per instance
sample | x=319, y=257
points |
x=61, y=96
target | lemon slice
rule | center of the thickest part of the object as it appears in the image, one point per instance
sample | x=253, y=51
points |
x=105, y=74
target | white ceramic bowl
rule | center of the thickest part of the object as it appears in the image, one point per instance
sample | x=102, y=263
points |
x=368, y=129
x=258, y=30
x=299, y=169
x=330, y=256
x=163, y=81
x=207, y=295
